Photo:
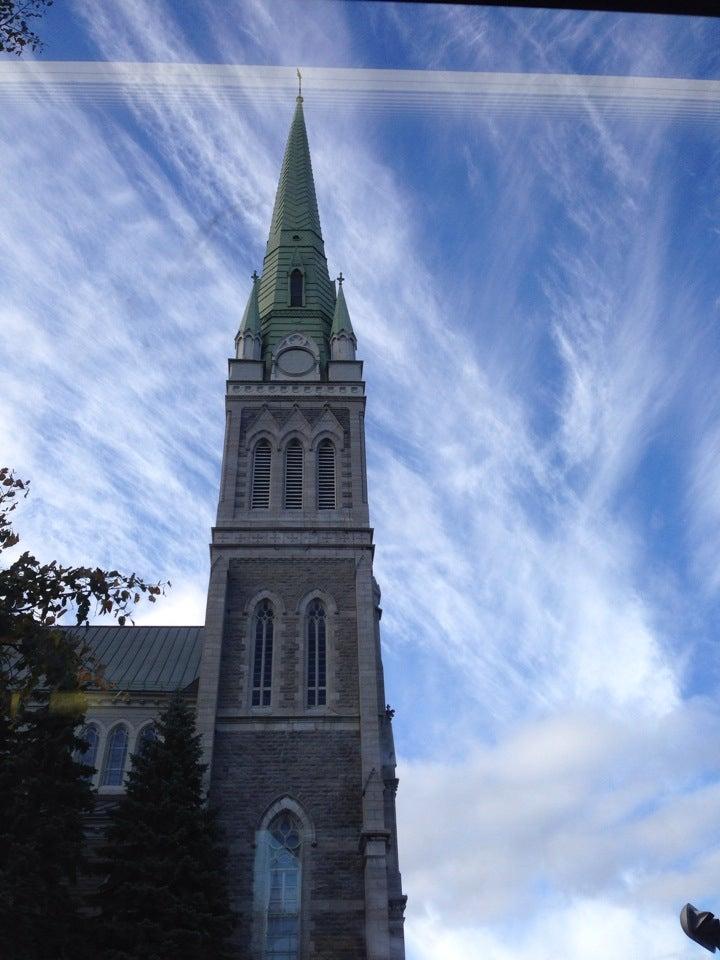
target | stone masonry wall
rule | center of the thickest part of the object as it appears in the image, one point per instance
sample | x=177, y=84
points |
x=290, y=580
x=321, y=771
x=312, y=756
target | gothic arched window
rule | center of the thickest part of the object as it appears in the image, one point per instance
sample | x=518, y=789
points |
x=115, y=754
x=260, y=496
x=262, y=657
x=147, y=735
x=316, y=655
x=296, y=288
x=294, y=476
x=326, y=475
x=282, y=928
x=89, y=734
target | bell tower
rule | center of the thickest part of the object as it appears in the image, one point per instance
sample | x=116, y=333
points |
x=291, y=699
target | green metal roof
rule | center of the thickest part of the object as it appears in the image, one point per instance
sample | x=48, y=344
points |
x=295, y=202
x=341, y=318
x=145, y=658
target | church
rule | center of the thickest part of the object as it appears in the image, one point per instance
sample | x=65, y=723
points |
x=286, y=674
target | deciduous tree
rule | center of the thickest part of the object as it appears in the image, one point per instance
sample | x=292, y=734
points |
x=35, y=596
x=44, y=789
x=16, y=33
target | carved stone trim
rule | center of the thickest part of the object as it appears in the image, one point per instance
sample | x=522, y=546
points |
x=391, y=785
x=291, y=538
x=278, y=390
x=374, y=842
x=396, y=907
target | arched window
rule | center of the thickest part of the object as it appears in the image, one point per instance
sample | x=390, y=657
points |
x=294, y=476
x=115, y=754
x=282, y=930
x=262, y=662
x=147, y=735
x=260, y=497
x=296, y=288
x=89, y=734
x=326, y=475
x=316, y=655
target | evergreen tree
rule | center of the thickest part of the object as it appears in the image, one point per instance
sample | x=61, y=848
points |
x=44, y=795
x=164, y=893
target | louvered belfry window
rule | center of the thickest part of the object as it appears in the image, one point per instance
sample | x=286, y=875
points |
x=316, y=655
x=326, y=476
x=262, y=662
x=294, y=476
x=296, y=288
x=260, y=497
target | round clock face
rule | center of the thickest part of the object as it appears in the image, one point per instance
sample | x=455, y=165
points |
x=296, y=362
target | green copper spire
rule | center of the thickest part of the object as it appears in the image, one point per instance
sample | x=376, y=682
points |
x=296, y=294
x=341, y=318
x=295, y=200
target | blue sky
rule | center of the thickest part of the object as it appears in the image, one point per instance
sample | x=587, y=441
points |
x=534, y=286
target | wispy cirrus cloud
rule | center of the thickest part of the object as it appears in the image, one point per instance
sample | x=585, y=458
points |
x=528, y=337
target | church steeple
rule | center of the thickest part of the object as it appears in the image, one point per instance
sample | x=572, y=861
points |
x=296, y=294
x=297, y=735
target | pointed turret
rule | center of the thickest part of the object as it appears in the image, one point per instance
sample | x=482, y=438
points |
x=342, y=337
x=296, y=294
x=248, y=339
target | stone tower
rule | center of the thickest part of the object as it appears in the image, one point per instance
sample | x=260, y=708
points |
x=291, y=699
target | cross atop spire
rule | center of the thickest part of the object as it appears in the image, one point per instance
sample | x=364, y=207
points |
x=340, y=278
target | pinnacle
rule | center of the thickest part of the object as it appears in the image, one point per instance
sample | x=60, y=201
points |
x=341, y=318
x=251, y=318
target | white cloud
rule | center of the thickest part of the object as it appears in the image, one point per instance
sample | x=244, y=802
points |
x=580, y=927
x=572, y=808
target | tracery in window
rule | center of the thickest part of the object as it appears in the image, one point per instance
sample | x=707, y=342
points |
x=282, y=931
x=326, y=475
x=262, y=662
x=316, y=655
x=296, y=288
x=89, y=734
x=294, y=476
x=115, y=754
x=260, y=497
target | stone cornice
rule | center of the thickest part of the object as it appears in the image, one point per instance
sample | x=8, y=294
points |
x=303, y=536
x=285, y=391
